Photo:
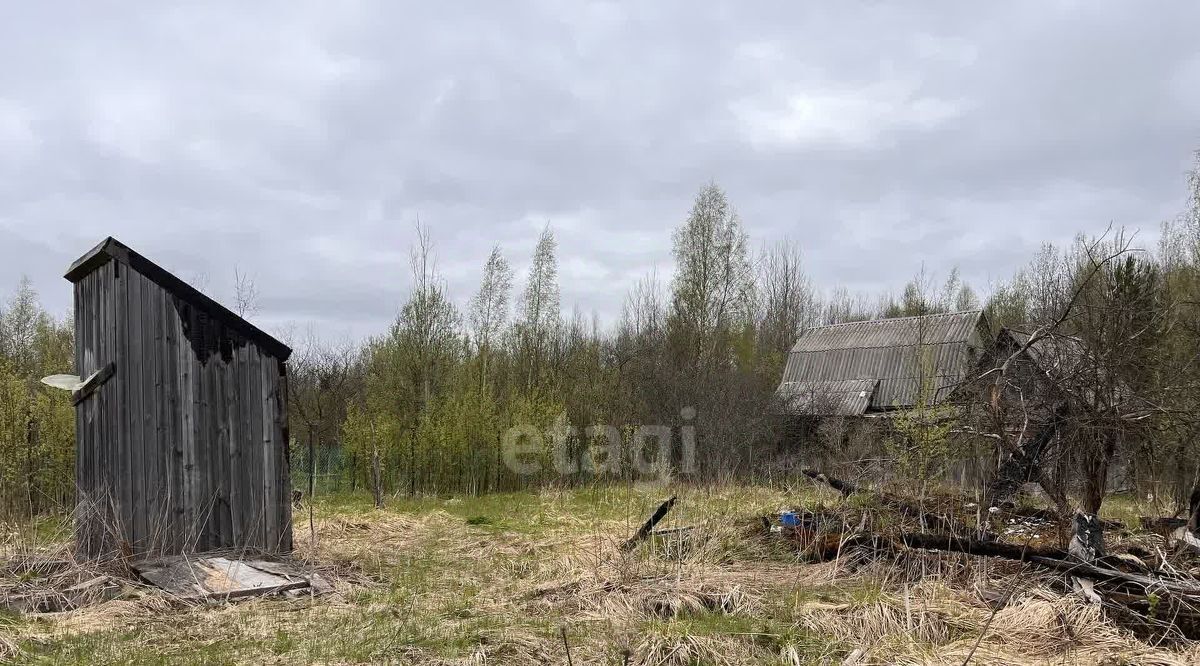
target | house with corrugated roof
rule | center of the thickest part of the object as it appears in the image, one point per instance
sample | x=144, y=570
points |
x=863, y=367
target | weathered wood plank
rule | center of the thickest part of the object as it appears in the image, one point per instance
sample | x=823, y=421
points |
x=215, y=577
x=266, y=453
x=236, y=434
x=182, y=424
x=237, y=575
x=254, y=466
x=170, y=441
x=222, y=447
x=110, y=405
x=114, y=458
x=93, y=382
x=215, y=461
x=284, y=455
x=108, y=459
x=282, y=569
x=204, y=453
x=188, y=382
x=85, y=443
x=244, y=448
x=88, y=367
x=137, y=406
x=212, y=457
x=156, y=483
x=85, y=368
x=83, y=473
x=99, y=422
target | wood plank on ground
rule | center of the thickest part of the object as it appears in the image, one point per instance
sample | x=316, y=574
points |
x=220, y=577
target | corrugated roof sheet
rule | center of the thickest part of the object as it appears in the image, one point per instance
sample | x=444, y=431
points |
x=823, y=398
x=899, y=353
x=898, y=331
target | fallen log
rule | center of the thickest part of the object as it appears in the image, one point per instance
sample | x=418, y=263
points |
x=644, y=531
x=1162, y=525
x=827, y=545
x=1050, y=558
x=928, y=519
x=1053, y=516
x=843, y=487
x=945, y=522
x=1156, y=606
x=954, y=544
x=1156, y=618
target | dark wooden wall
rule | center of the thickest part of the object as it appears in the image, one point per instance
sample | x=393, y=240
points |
x=184, y=448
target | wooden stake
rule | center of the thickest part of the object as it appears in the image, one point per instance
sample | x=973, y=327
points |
x=646, y=527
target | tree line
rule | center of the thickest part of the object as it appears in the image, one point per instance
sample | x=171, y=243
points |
x=425, y=406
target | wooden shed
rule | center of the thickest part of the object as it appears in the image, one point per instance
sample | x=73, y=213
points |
x=181, y=426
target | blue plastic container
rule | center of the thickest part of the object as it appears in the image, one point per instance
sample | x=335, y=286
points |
x=789, y=518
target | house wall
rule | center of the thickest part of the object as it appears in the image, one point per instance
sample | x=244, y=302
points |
x=185, y=447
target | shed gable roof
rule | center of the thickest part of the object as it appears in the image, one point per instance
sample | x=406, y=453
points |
x=898, y=353
x=110, y=249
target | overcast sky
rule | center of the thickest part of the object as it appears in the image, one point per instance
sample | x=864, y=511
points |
x=300, y=141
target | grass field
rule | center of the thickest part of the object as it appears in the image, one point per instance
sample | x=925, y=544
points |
x=523, y=578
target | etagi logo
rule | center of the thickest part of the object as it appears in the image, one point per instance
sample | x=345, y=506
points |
x=601, y=449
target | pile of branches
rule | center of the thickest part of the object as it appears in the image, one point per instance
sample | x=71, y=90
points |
x=1147, y=586
x=34, y=584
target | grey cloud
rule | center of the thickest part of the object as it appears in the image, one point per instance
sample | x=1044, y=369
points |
x=300, y=141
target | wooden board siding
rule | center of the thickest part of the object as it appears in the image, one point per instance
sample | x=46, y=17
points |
x=185, y=448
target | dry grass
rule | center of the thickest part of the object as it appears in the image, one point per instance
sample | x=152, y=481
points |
x=496, y=580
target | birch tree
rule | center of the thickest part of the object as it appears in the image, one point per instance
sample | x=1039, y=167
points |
x=489, y=307
x=713, y=289
x=541, y=315
x=787, y=301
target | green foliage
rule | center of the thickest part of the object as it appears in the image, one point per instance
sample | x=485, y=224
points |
x=436, y=403
x=921, y=442
x=37, y=424
x=433, y=396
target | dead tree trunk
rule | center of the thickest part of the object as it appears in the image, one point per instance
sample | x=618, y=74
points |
x=1087, y=545
x=1095, y=481
x=1024, y=465
x=1193, y=519
x=376, y=480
